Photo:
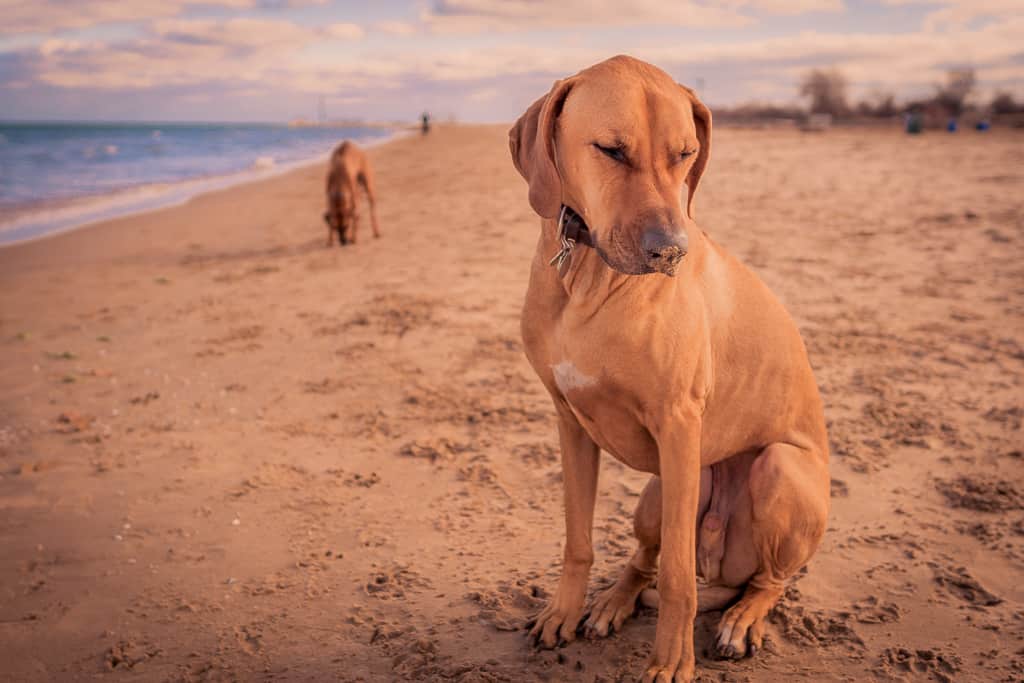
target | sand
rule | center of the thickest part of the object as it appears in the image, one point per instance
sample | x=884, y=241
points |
x=230, y=453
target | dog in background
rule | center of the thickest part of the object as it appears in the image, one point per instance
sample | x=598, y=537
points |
x=662, y=349
x=349, y=167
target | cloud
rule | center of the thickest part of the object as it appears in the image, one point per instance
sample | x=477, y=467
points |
x=471, y=16
x=952, y=14
x=282, y=4
x=245, y=33
x=396, y=28
x=235, y=59
x=960, y=14
x=189, y=52
x=56, y=45
x=272, y=54
x=51, y=16
x=345, y=31
x=254, y=33
x=787, y=7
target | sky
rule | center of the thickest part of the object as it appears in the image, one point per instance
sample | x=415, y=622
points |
x=475, y=60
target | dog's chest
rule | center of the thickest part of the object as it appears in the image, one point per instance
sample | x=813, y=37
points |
x=605, y=404
x=570, y=379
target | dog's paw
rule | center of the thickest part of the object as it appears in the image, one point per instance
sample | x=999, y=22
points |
x=672, y=673
x=740, y=633
x=556, y=625
x=610, y=610
x=672, y=659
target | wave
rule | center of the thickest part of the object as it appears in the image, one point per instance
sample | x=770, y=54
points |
x=97, y=151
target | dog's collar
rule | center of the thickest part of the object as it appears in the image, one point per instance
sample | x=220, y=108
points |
x=571, y=231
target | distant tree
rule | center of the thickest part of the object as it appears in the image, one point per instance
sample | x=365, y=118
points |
x=1003, y=103
x=881, y=104
x=827, y=90
x=953, y=95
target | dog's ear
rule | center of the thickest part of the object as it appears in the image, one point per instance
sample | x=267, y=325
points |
x=702, y=120
x=532, y=143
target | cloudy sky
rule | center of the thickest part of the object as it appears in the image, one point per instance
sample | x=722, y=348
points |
x=479, y=60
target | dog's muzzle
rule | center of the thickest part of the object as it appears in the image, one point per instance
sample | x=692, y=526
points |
x=663, y=250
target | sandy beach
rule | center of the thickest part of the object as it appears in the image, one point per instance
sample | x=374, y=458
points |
x=228, y=452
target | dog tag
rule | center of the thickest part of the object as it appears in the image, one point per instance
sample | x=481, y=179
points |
x=567, y=243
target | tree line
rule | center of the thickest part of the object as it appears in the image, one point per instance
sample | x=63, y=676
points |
x=826, y=90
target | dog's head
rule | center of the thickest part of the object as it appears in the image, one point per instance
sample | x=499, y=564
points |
x=341, y=212
x=616, y=143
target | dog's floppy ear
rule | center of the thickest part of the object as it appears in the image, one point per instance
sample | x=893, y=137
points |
x=702, y=120
x=532, y=143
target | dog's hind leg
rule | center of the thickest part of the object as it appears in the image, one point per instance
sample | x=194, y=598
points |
x=616, y=604
x=366, y=180
x=709, y=598
x=789, y=497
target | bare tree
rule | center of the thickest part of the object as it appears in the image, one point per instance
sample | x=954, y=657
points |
x=952, y=95
x=1003, y=103
x=879, y=103
x=827, y=90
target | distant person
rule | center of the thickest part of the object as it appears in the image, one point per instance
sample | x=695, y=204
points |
x=349, y=168
x=425, y=117
x=982, y=125
x=914, y=123
x=951, y=125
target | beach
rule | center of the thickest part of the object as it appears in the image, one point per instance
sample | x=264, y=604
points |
x=229, y=452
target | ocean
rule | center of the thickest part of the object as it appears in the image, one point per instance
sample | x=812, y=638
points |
x=58, y=176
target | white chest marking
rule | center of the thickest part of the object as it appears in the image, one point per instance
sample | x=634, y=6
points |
x=569, y=377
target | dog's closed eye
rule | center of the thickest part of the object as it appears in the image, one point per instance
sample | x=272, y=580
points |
x=616, y=152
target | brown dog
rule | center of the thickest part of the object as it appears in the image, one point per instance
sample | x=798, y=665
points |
x=348, y=168
x=693, y=372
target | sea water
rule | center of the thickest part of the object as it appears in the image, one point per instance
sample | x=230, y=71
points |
x=57, y=176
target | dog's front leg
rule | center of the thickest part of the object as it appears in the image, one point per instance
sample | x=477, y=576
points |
x=679, y=461
x=580, y=460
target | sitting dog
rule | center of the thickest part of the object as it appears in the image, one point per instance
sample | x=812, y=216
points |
x=662, y=349
x=348, y=168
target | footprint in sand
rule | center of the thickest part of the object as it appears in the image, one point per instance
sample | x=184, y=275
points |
x=958, y=582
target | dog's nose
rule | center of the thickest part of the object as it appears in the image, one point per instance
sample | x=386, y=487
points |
x=664, y=250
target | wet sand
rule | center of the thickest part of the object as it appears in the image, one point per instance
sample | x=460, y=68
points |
x=228, y=452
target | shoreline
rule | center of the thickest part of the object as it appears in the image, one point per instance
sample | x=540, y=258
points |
x=50, y=218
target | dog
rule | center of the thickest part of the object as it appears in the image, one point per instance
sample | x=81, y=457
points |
x=348, y=167
x=662, y=349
